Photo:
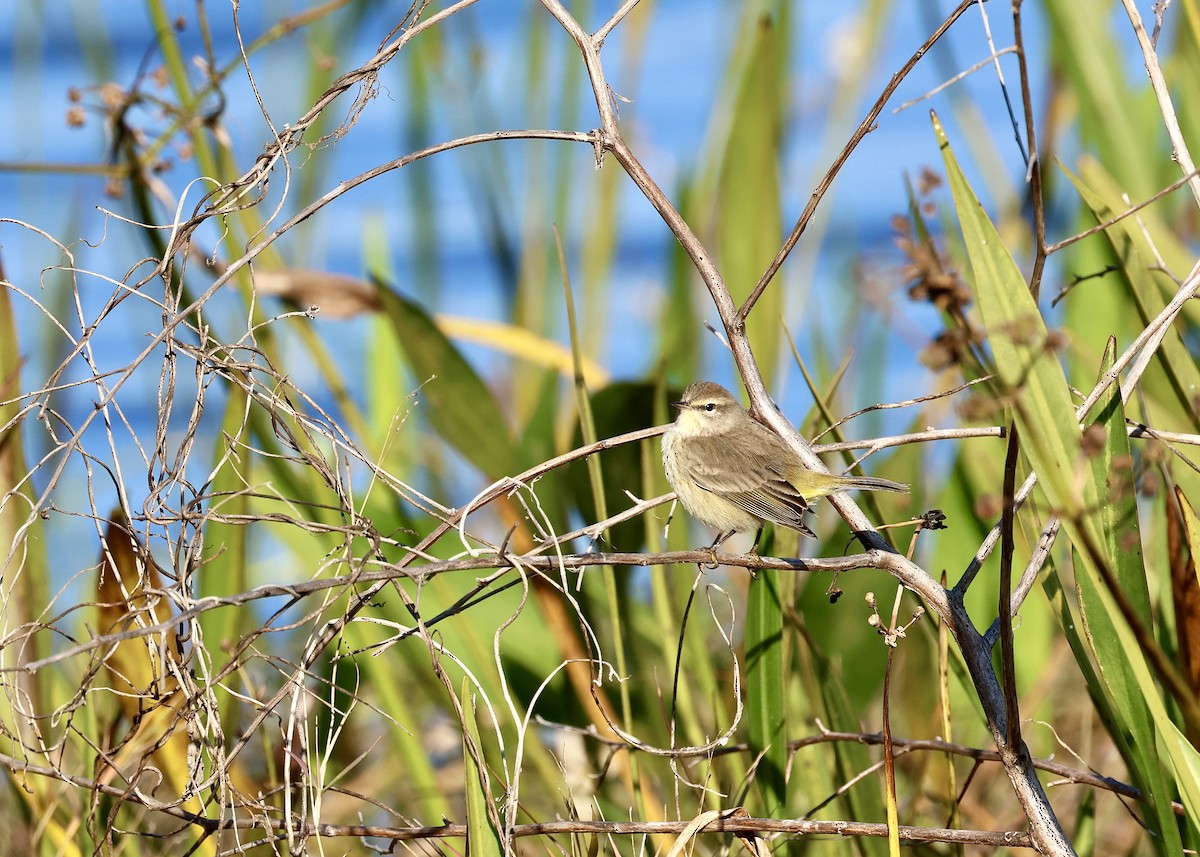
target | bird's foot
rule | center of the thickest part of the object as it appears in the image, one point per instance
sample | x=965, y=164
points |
x=712, y=550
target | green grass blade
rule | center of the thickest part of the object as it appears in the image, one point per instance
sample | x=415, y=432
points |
x=1149, y=290
x=749, y=216
x=1117, y=515
x=766, y=713
x=1034, y=382
x=483, y=835
x=25, y=577
x=1028, y=368
x=864, y=802
x=1108, y=103
x=224, y=559
x=460, y=407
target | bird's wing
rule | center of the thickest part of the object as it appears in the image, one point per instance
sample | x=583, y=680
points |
x=743, y=477
x=775, y=501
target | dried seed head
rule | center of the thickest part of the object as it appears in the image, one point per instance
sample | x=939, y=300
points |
x=928, y=181
x=988, y=507
x=1094, y=438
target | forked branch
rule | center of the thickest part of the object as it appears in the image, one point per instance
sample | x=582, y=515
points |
x=1047, y=833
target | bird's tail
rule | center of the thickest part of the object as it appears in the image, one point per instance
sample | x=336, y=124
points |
x=871, y=483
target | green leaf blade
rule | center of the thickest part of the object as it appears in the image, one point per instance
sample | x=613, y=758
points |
x=766, y=712
x=460, y=407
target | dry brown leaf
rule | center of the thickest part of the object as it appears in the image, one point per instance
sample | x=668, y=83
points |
x=142, y=670
x=1183, y=538
x=336, y=295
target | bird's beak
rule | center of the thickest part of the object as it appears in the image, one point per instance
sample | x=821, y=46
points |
x=680, y=404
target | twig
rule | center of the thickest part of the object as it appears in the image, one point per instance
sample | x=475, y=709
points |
x=386, y=573
x=1034, y=172
x=927, y=436
x=1013, y=839
x=1012, y=116
x=889, y=754
x=1142, y=348
x=169, y=328
x=1179, y=148
x=864, y=128
x=1117, y=218
x=886, y=406
x=946, y=84
x=612, y=22
x=933, y=745
x=1012, y=714
x=1047, y=832
x=1032, y=568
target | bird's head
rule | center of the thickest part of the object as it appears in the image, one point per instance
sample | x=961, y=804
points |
x=706, y=409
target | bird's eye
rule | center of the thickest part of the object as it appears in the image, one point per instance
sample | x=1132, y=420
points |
x=710, y=407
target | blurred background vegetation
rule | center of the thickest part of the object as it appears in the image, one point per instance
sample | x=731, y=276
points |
x=488, y=308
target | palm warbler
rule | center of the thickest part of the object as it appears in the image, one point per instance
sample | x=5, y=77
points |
x=733, y=473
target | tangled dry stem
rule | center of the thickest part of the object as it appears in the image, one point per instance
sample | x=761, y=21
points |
x=176, y=510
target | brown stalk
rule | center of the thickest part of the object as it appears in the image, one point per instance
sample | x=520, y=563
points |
x=864, y=128
x=1048, y=835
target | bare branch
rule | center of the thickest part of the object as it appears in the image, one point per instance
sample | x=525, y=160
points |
x=1180, y=152
x=864, y=128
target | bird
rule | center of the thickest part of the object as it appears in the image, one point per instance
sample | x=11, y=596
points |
x=733, y=473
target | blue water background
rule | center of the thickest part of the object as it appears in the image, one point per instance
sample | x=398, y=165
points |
x=43, y=53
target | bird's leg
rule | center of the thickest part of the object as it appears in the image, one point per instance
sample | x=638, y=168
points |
x=757, y=537
x=712, y=550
